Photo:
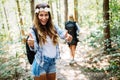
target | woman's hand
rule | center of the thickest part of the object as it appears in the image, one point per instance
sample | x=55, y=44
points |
x=30, y=41
x=68, y=37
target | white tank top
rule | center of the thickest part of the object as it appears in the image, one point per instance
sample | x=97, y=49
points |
x=49, y=49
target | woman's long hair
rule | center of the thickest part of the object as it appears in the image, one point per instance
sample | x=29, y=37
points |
x=44, y=30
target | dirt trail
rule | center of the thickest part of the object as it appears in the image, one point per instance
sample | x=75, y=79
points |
x=67, y=72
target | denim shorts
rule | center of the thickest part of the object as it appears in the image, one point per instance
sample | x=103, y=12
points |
x=49, y=66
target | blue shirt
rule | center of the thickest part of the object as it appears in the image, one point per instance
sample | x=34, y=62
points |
x=39, y=50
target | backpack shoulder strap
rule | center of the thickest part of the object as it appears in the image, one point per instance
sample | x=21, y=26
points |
x=34, y=29
x=74, y=23
x=67, y=23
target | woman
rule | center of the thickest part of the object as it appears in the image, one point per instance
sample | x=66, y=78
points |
x=47, y=51
x=73, y=29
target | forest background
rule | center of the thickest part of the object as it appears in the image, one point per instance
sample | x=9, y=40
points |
x=102, y=17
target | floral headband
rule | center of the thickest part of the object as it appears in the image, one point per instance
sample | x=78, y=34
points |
x=46, y=9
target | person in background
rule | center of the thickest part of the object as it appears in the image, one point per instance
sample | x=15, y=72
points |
x=73, y=29
x=47, y=51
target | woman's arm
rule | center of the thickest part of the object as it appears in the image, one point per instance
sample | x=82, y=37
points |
x=78, y=27
x=60, y=32
x=63, y=34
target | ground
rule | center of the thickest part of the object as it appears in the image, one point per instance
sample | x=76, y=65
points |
x=77, y=72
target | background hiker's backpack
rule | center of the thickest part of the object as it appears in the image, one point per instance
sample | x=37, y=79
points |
x=71, y=27
x=31, y=54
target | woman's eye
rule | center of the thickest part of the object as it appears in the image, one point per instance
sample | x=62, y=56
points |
x=41, y=15
x=46, y=14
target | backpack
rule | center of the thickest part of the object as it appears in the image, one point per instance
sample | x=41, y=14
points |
x=71, y=27
x=31, y=54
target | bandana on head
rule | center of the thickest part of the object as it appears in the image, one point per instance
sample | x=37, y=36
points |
x=46, y=9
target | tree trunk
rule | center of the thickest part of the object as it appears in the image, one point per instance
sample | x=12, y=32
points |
x=58, y=12
x=107, y=43
x=32, y=8
x=19, y=12
x=66, y=9
x=76, y=10
x=21, y=22
x=8, y=27
x=50, y=3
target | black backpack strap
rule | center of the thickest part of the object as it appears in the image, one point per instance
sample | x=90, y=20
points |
x=34, y=29
x=66, y=23
x=75, y=25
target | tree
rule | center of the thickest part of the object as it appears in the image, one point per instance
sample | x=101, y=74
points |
x=32, y=8
x=58, y=13
x=107, y=43
x=6, y=17
x=6, y=25
x=50, y=3
x=76, y=10
x=21, y=21
x=66, y=9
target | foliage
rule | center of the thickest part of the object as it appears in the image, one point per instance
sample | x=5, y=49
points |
x=115, y=23
x=114, y=67
x=9, y=68
x=112, y=70
x=95, y=39
x=10, y=65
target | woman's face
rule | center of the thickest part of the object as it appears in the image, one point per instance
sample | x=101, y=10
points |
x=43, y=17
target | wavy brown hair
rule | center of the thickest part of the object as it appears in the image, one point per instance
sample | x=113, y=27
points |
x=44, y=30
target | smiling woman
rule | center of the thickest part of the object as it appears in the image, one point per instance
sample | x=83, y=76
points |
x=47, y=51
